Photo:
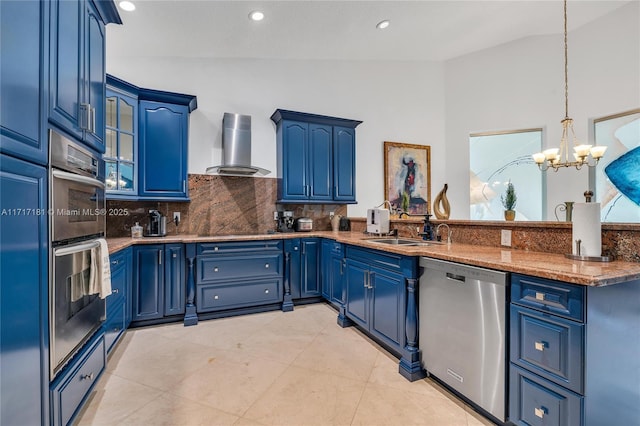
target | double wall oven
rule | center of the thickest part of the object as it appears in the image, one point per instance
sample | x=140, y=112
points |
x=77, y=217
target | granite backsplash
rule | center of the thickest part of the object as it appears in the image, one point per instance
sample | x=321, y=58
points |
x=220, y=205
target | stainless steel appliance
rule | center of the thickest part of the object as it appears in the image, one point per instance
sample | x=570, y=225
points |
x=77, y=218
x=157, y=226
x=462, y=330
x=378, y=221
x=77, y=190
x=285, y=221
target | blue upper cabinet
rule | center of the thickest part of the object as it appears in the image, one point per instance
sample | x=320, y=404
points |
x=22, y=32
x=316, y=158
x=77, y=68
x=147, y=141
x=163, y=150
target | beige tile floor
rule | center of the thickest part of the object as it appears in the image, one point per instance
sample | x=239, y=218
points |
x=273, y=368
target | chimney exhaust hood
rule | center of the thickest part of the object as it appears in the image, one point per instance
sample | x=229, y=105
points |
x=236, y=148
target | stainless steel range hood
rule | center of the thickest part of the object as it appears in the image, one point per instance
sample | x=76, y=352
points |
x=236, y=148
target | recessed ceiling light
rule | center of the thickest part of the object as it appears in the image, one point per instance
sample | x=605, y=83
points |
x=256, y=15
x=127, y=6
x=383, y=24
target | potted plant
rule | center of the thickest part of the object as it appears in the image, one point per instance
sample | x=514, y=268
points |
x=509, y=202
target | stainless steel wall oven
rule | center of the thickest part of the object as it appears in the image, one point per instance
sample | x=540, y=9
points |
x=77, y=215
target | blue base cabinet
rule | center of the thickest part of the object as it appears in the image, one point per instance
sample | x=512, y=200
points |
x=159, y=282
x=302, y=258
x=333, y=264
x=119, y=302
x=24, y=317
x=381, y=299
x=574, y=353
x=315, y=158
x=238, y=275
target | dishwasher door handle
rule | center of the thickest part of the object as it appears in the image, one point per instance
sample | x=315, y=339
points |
x=454, y=277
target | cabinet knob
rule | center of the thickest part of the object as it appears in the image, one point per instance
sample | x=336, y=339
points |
x=540, y=346
x=539, y=295
x=116, y=329
x=174, y=255
x=115, y=291
x=266, y=265
x=87, y=376
x=215, y=269
x=215, y=297
x=114, y=262
x=215, y=248
x=540, y=412
x=266, y=292
x=295, y=248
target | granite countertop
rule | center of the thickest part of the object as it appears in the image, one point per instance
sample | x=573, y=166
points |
x=543, y=265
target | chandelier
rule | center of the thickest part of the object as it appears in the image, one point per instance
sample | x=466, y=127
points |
x=583, y=154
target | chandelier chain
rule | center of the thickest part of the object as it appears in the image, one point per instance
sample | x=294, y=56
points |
x=566, y=66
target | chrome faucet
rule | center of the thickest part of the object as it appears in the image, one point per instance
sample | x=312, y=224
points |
x=439, y=237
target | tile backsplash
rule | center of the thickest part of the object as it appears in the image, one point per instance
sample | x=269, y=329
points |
x=220, y=205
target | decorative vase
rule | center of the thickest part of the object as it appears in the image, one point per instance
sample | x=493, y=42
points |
x=509, y=214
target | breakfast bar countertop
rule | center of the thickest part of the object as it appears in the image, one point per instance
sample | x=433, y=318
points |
x=543, y=265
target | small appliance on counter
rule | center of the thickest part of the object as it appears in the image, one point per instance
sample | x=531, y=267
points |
x=285, y=221
x=345, y=224
x=157, y=226
x=378, y=221
x=304, y=224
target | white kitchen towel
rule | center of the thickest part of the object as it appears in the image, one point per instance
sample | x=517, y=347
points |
x=100, y=276
x=587, y=229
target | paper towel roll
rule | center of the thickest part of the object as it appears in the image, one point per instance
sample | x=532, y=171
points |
x=587, y=228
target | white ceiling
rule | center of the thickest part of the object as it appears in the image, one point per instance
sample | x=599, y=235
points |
x=317, y=29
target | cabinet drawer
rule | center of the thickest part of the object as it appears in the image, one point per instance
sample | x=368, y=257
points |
x=335, y=248
x=217, y=297
x=537, y=402
x=72, y=388
x=548, y=345
x=549, y=296
x=238, y=247
x=115, y=325
x=238, y=267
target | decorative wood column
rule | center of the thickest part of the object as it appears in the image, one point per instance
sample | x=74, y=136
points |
x=410, y=365
x=190, y=316
x=287, y=304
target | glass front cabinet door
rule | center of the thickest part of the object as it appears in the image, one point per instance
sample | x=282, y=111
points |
x=121, y=143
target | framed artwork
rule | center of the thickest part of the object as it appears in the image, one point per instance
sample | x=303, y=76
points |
x=407, y=177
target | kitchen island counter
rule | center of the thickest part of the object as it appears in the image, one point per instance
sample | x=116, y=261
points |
x=538, y=264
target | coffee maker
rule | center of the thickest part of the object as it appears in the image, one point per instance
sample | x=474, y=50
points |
x=157, y=226
x=285, y=221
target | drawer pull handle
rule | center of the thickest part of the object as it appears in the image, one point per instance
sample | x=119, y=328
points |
x=115, y=291
x=266, y=292
x=540, y=346
x=215, y=248
x=215, y=269
x=266, y=265
x=114, y=262
x=540, y=412
x=539, y=296
x=215, y=297
x=87, y=376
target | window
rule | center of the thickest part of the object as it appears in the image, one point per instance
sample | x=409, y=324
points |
x=617, y=176
x=497, y=158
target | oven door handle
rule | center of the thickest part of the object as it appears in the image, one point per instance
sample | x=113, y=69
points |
x=63, y=251
x=77, y=178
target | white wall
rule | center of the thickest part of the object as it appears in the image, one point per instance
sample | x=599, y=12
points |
x=397, y=101
x=521, y=85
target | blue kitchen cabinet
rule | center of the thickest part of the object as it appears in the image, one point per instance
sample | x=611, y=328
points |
x=22, y=35
x=332, y=256
x=24, y=295
x=303, y=267
x=159, y=288
x=77, y=67
x=163, y=139
x=239, y=277
x=121, y=141
x=574, y=353
x=119, y=302
x=315, y=158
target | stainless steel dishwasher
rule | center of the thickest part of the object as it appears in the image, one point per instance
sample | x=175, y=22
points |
x=462, y=330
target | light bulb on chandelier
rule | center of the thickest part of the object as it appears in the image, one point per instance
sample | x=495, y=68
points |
x=583, y=154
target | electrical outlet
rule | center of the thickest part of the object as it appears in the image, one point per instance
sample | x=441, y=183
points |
x=176, y=217
x=331, y=214
x=275, y=215
x=505, y=237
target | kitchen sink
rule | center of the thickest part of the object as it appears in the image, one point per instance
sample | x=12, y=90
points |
x=404, y=242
